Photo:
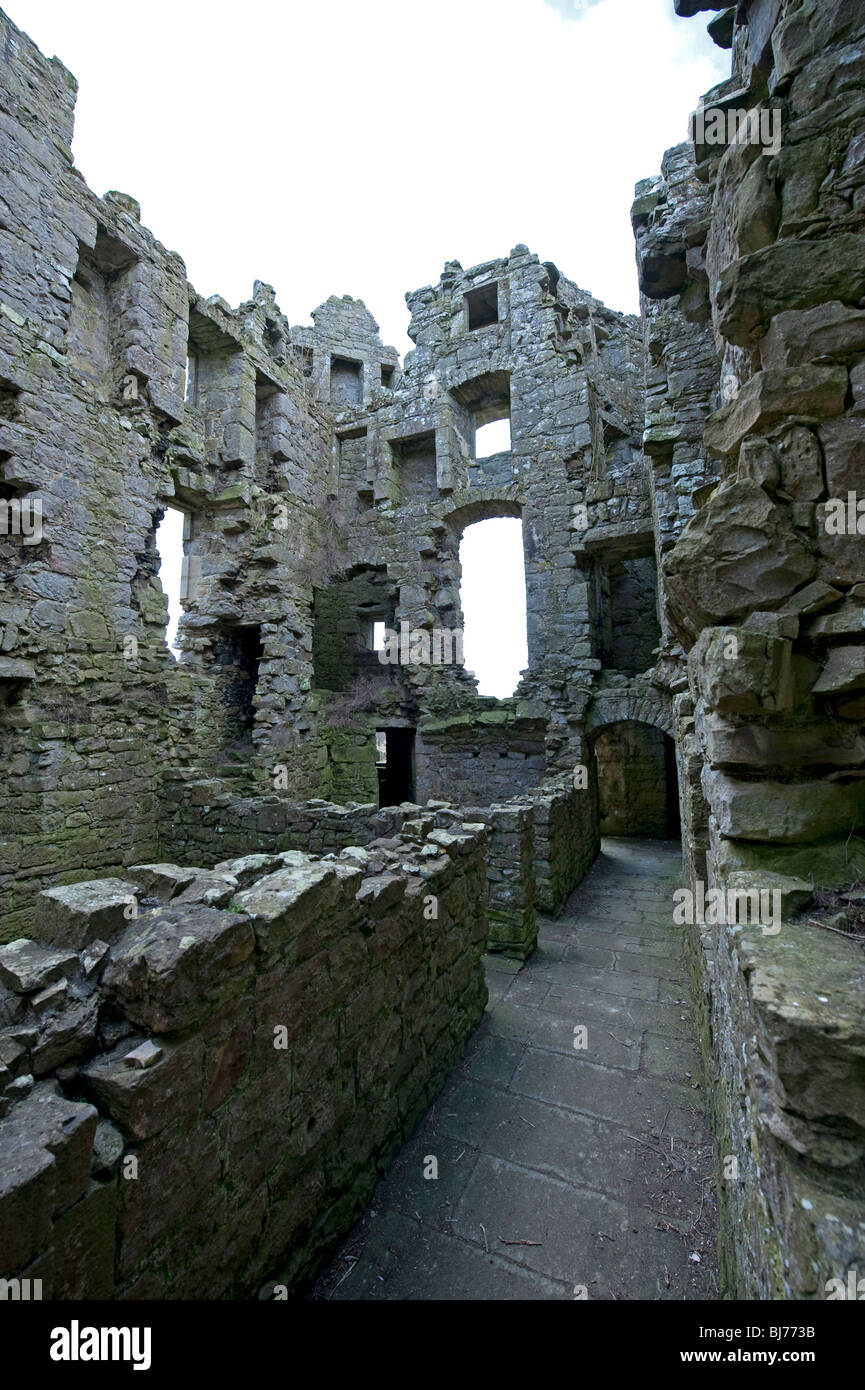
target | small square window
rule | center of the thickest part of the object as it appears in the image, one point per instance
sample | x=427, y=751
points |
x=378, y=636
x=482, y=305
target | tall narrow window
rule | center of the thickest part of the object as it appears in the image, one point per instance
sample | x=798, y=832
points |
x=169, y=543
x=189, y=385
x=493, y=600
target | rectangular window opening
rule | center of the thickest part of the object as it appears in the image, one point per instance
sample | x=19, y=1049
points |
x=482, y=306
x=346, y=382
x=493, y=438
x=235, y=662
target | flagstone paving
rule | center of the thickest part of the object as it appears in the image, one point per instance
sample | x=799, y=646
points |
x=563, y=1171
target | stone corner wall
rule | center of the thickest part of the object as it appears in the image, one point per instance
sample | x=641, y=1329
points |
x=750, y=249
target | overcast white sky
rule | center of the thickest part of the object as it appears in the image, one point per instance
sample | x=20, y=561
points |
x=342, y=147
x=354, y=146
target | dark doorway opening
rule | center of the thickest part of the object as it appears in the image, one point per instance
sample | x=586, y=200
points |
x=638, y=782
x=627, y=607
x=395, y=765
x=674, y=817
x=237, y=653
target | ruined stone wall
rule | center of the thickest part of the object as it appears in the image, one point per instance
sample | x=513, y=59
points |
x=96, y=327
x=509, y=339
x=209, y=823
x=80, y=788
x=491, y=755
x=546, y=839
x=203, y=1095
x=324, y=486
x=566, y=838
x=759, y=245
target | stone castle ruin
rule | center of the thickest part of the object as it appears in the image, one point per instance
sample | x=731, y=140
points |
x=245, y=895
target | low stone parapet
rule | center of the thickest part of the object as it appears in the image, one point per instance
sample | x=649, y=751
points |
x=206, y=1097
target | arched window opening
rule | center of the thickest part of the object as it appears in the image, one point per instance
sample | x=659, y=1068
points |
x=493, y=601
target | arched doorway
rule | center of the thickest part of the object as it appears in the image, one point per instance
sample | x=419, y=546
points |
x=638, y=785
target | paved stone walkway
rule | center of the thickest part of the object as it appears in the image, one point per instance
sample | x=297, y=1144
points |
x=560, y=1168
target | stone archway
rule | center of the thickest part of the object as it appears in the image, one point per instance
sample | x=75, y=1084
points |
x=630, y=732
x=638, y=703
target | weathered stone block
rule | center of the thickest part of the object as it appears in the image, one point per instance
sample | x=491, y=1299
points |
x=843, y=672
x=795, y=893
x=66, y=1130
x=142, y=1102
x=170, y=966
x=773, y=396
x=283, y=904
x=844, y=448
x=27, y=966
x=756, y=745
x=801, y=465
x=758, y=464
x=832, y=332
x=380, y=894
x=782, y=812
x=108, y=1145
x=74, y=915
x=739, y=552
x=742, y=672
x=162, y=881
x=789, y=275
x=66, y=1032
x=27, y=1201
x=250, y=867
